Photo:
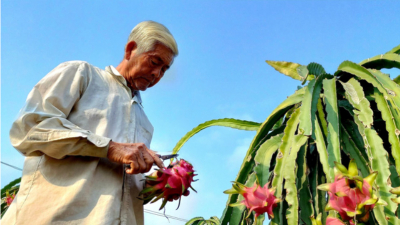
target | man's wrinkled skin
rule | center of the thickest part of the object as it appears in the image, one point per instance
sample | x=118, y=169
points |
x=141, y=72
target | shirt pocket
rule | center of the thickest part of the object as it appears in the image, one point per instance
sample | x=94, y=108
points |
x=144, y=136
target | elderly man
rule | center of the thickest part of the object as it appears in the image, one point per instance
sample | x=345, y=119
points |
x=78, y=129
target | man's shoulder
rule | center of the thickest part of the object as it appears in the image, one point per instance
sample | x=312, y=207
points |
x=82, y=68
x=78, y=64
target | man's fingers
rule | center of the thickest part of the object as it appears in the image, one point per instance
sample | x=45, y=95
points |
x=148, y=160
x=141, y=164
x=157, y=160
x=129, y=169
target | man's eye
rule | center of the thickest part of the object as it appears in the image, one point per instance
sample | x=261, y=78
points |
x=153, y=62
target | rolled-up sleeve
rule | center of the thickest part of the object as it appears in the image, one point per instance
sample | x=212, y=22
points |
x=42, y=126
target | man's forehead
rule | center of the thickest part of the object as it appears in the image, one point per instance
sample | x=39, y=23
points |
x=162, y=53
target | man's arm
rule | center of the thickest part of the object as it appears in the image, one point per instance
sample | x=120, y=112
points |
x=42, y=126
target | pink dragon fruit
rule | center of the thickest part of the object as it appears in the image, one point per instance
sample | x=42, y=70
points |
x=169, y=183
x=331, y=221
x=8, y=199
x=256, y=198
x=350, y=195
x=336, y=221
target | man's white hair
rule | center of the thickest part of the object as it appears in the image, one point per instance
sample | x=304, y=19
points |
x=148, y=33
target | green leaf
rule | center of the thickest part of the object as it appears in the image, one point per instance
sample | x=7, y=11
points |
x=351, y=148
x=289, y=174
x=391, y=127
x=395, y=179
x=303, y=72
x=323, y=154
x=380, y=163
x=388, y=84
x=284, y=150
x=287, y=68
x=194, y=220
x=388, y=61
x=316, y=178
x=309, y=105
x=265, y=128
x=321, y=117
x=395, y=50
x=333, y=121
x=315, y=69
x=278, y=123
x=264, y=156
x=348, y=67
x=355, y=95
x=391, y=93
x=215, y=220
x=283, y=153
x=397, y=79
x=305, y=199
x=226, y=122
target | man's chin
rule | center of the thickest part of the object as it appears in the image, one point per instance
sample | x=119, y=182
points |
x=142, y=88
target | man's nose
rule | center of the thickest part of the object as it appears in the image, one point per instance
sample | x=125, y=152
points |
x=158, y=73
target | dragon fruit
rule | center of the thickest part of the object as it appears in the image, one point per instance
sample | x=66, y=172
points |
x=336, y=221
x=169, y=183
x=8, y=199
x=350, y=195
x=331, y=221
x=256, y=198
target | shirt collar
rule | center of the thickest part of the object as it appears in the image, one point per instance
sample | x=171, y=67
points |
x=136, y=94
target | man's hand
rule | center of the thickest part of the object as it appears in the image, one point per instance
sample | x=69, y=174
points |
x=137, y=155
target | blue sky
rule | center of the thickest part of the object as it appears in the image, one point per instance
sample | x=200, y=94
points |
x=220, y=71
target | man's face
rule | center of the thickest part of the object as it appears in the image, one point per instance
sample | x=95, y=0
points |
x=146, y=69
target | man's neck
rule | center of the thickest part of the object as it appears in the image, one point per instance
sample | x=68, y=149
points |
x=121, y=70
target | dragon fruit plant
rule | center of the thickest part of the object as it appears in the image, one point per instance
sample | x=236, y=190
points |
x=351, y=117
x=169, y=183
x=9, y=198
x=6, y=197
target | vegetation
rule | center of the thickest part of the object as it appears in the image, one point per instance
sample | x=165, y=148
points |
x=352, y=115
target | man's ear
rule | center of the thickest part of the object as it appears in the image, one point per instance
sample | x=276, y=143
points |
x=130, y=49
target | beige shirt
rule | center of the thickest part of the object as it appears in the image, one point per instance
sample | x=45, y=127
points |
x=64, y=130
